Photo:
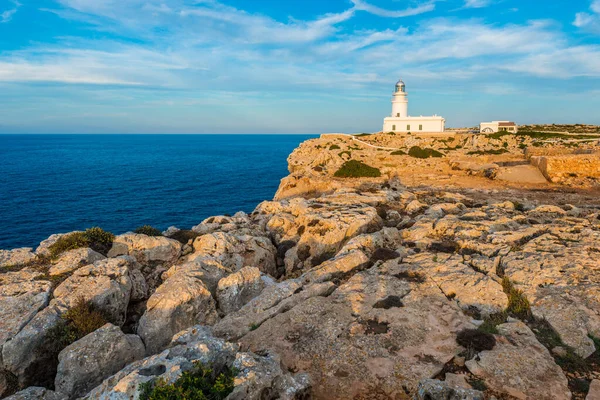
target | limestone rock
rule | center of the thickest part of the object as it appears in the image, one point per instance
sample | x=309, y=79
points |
x=594, y=392
x=35, y=393
x=146, y=249
x=9, y=258
x=207, y=269
x=70, y=260
x=237, y=251
x=238, y=288
x=179, y=303
x=337, y=267
x=106, y=283
x=434, y=389
x=86, y=363
x=518, y=365
x=44, y=248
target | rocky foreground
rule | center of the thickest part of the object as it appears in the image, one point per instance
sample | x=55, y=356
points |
x=341, y=288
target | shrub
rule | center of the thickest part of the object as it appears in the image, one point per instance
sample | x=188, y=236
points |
x=357, y=169
x=341, y=153
x=80, y=320
x=398, y=153
x=362, y=134
x=95, y=238
x=475, y=340
x=418, y=152
x=183, y=236
x=334, y=147
x=487, y=152
x=199, y=383
x=148, y=231
x=518, y=305
x=490, y=323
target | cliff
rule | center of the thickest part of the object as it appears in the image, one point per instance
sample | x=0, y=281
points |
x=429, y=278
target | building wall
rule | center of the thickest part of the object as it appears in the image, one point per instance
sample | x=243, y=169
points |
x=495, y=126
x=413, y=124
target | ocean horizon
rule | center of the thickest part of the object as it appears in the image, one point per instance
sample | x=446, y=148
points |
x=56, y=183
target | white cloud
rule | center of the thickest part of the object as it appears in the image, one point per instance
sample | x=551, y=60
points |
x=477, y=3
x=6, y=16
x=364, y=6
x=589, y=21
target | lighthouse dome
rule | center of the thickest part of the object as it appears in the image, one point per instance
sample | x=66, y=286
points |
x=400, y=86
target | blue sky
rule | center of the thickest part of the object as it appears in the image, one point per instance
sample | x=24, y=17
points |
x=311, y=66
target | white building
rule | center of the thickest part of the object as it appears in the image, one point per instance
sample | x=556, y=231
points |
x=401, y=122
x=498, y=126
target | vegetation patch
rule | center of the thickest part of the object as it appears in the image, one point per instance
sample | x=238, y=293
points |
x=398, y=153
x=411, y=276
x=362, y=134
x=334, y=147
x=348, y=153
x=476, y=340
x=184, y=236
x=418, y=152
x=491, y=323
x=81, y=320
x=518, y=304
x=487, y=152
x=95, y=238
x=199, y=383
x=148, y=231
x=357, y=169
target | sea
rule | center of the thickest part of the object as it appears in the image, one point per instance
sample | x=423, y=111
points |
x=65, y=182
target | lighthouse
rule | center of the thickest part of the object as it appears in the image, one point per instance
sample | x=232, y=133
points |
x=401, y=122
x=400, y=101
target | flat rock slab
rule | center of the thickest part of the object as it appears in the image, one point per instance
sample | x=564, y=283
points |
x=521, y=174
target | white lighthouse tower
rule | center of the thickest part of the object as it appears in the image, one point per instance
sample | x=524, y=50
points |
x=400, y=101
x=400, y=121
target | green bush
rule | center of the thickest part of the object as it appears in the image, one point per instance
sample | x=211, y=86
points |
x=476, y=340
x=362, y=134
x=357, y=169
x=200, y=383
x=486, y=152
x=398, y=153
x=80, y=320
x=334, y=147
x=148, y=231
x=418, y=152
x=95, y=238
x=518, y=304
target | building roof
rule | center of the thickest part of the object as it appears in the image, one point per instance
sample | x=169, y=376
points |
x=400, y=82
x=507, y=124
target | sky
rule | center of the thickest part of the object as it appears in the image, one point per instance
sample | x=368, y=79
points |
x=310, y=66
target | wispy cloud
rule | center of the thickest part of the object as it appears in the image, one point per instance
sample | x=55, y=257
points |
x=382, y=12
x=7, y=15
x=477, y=3
x=589, y=21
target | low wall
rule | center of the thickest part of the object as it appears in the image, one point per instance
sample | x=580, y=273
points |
x=556, y=168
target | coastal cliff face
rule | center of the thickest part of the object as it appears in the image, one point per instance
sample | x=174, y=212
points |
x=432, y=278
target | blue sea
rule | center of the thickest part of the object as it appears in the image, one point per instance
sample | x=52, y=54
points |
x=60, y=183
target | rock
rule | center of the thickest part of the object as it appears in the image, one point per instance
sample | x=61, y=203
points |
x=27, y=354
x=208, y=270
x=457, y=380
x=84, y=364
x=171, y=231
x=10, y=258
x=238, y=288
x=594, y=392
x=70, y=260
x=237, y=251
x=106, y=283
x=434, y=389
x=415, y=207
x=35, y=393
x=146, y=249
x=257, y=375
x=517, y=365
x=179, y=303
x=44, y=248
x=337, y=267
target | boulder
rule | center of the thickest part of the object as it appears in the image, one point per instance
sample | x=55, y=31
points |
x=35, y=393
x=106, y=283
x=235, y=251
x=238, y=288
x=208, y=270
x=146, y=249
x=257, y=376
x=70, y=260
x=84, y=364
x=518, y=364
x=179, y=303
x=594, y=392
x=10, y=258
x=430, y=389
